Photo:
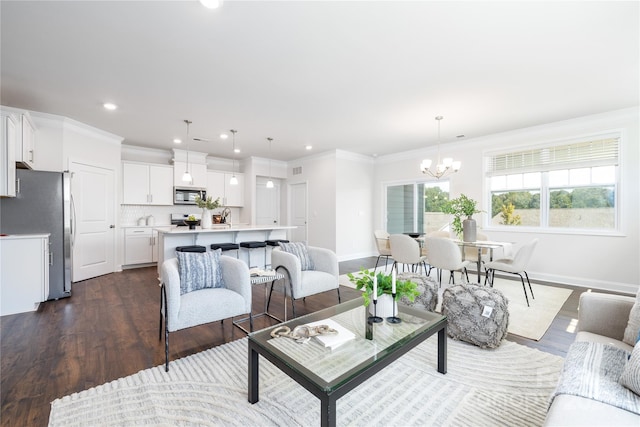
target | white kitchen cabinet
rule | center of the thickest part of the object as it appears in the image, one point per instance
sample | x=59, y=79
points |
x=138, y=245
x=218, y=186
x=25, y=142
x=147, y=184
x=198, y=175
x=24, y=272
x=8, y=155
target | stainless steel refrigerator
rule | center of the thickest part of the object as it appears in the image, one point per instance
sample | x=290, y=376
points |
x=43, y=205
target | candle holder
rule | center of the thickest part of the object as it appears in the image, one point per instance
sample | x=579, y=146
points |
x=394, y=318
x=375, y=318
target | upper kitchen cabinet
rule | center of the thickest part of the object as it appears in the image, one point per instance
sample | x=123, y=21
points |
x=195, y=163
x=25, y=142
x=198, y=175
x=147, y=184
x=8, y=155
x=218, y=186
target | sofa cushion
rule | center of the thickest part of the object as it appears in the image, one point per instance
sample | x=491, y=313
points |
x=633, y=325
x=630, y=377
x=199, y=270
x=299, y=249
x=591, y=337
x=569, y=410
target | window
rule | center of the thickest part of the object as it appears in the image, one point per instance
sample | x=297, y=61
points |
x=417, y=207
x=569, y=186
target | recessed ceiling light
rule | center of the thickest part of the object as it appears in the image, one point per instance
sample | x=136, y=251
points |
x=224, y=136
x=308, y=147
x=236, y=150
x=177, y=141
x=109, y=106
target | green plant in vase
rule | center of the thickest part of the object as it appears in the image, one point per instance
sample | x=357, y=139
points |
x=207, y=203
x=364, y=282
x=459, y=207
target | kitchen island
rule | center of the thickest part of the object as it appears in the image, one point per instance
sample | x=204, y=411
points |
x=168, y=240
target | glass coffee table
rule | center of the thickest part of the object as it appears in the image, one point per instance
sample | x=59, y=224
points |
x=330, y=374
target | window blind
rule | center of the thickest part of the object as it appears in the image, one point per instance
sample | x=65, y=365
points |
x=599, y=152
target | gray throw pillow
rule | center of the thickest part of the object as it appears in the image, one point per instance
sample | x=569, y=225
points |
x=199, y=270
x=299, y=249
x=633, y=325
x=630, y=377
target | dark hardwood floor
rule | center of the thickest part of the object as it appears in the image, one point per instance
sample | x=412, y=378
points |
x=109, y=329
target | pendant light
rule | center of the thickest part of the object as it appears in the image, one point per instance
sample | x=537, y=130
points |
x=234, y=180
x=186, y=177
x=270, y=182
x=447, y=166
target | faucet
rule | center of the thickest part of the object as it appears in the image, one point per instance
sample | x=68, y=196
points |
x=226, y=216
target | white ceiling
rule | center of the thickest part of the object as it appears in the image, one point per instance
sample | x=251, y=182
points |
x=367, y=77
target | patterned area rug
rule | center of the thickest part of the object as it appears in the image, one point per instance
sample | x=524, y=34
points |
x=507, y=386
x=529, y=322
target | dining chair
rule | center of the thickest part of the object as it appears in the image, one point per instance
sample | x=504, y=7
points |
x=514, y=265
x=384, y=248
x=406, y=250
x=445, y=254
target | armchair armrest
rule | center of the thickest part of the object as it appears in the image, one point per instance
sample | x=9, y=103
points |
x=291, y=262
x=604, y=314
x=235, y=275
x=324, y=260
x=171, y=281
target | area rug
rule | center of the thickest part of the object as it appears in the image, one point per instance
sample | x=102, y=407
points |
x=507, y=386
x=529, y=322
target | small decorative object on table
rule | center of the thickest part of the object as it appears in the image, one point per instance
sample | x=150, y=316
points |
x=378, y=287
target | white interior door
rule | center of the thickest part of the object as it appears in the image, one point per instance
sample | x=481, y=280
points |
x=93, y=216
x=299, y=212
x=267, y=203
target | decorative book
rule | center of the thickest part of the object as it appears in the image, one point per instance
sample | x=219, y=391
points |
x=333, y=341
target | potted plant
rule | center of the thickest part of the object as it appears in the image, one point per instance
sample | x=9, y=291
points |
x=207, y=205
x=459, y=207
x=364, y=282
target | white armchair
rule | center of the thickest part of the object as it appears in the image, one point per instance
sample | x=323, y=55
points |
x=204, y=305
x=303, y=283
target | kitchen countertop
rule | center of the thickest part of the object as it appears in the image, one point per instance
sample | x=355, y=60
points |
x=222, y=229
x=24, y=236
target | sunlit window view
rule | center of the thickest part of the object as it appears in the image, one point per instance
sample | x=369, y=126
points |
x=582, y=196
x=417, y=207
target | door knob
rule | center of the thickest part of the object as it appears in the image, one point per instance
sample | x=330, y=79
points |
x=112, y=226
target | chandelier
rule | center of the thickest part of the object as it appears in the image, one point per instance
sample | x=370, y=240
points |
x=444, y=167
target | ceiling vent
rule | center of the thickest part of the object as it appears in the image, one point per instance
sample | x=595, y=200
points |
x=297, y=170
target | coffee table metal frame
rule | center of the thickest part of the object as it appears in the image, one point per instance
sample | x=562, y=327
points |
x=266, y=280
x=330, y=392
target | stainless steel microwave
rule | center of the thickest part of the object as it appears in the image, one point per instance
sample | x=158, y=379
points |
x=187, y=196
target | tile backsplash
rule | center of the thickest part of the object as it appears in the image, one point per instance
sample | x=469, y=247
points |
x=129, y=214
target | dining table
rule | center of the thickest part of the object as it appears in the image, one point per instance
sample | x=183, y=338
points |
x=481, y=245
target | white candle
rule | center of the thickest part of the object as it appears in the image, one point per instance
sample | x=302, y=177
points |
x=375, y=287
x=393, y=281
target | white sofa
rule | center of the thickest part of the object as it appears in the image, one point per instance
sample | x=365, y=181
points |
x=601, y=318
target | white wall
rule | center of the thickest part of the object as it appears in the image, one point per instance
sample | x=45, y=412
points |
x=354, y=202
x=319, y=172
x=598, y=261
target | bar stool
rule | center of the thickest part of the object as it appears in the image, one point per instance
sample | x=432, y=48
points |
x=273, y=243
x=253, y=244
x=226, y=247
x=194, y=248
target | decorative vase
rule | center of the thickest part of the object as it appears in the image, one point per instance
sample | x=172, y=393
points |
x=385, y=306
x=469, y=230
x=205, y=222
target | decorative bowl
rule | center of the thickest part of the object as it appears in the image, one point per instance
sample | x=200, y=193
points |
x=191, y=224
